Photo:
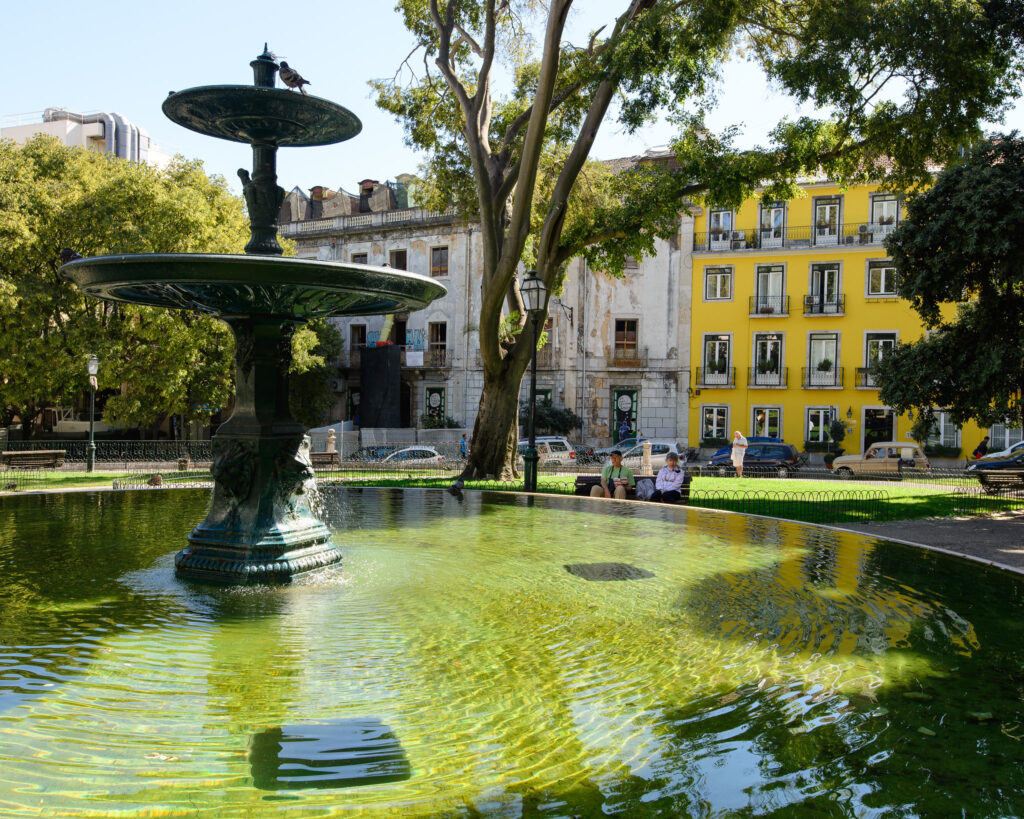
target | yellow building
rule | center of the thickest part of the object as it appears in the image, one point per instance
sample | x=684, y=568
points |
x=793, y=305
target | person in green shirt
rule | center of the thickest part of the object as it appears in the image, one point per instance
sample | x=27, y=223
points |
x=615, y=478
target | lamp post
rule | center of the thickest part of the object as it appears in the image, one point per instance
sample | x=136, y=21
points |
x=535, y=297
x=93, y=367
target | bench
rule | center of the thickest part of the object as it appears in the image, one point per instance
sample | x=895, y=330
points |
x=324, y=459
x=32, y=458
x=584, y=483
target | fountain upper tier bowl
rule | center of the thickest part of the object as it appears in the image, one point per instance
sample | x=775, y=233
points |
x=227, y=285
x=253, y=114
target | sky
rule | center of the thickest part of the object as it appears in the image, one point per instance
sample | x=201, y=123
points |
x=125, y=57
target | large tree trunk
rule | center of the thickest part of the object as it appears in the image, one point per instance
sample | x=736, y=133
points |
x=496, y=431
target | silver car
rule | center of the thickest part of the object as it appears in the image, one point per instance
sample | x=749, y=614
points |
x=633, y=458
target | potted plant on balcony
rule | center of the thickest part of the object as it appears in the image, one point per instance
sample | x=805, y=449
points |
x=887, y=220
x=825, y=365
x=767, y=365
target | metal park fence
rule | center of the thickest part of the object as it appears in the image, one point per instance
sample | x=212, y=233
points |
x=111, y=453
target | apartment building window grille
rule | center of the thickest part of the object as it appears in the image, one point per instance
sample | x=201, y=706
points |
x=770, y=287
x=438, y=337
x=717, y=283
x=824, y=297
x=819, y=420
x=399, y=259
x=720, y=225
x=823, y=360
x=360, y=258
x=945, y=432
x=716, y=359
x=885, y=215
x=772, y=224
x=714, y=423
x=1000, y=437
x=439, y=261
x=826, y=221
x=881, y=279
x=626, y=339
x=767, y=359
x=767, y=421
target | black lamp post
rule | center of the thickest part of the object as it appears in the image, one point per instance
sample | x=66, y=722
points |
x=94, y=367
x=535, y=296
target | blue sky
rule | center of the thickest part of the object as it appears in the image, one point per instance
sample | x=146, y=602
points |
x=125, y=57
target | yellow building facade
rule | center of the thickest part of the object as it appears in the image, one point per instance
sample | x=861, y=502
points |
x=793, y=305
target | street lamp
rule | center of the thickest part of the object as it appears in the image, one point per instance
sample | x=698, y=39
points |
x=535, y=297
x=93, y=367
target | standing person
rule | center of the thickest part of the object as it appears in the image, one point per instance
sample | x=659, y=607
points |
x=463, y=446
x=669, y=484
x=615, y=479
x=982, y=449
x=739, y=449
x=624, y=429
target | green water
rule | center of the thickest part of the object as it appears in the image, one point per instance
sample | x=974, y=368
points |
x=453, y=667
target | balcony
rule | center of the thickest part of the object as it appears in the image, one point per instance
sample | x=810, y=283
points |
x=847, y=235
x=628, y=357
x=822, y=306
x=716, y=377
x=777, y=379
x=816, y=379
x=762, y=306
x=360, y=222
x=546, y=357
x=866, y=378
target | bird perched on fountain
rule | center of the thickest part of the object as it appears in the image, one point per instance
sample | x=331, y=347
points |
x=456, y=488
x=292, y=78
x=69, y=255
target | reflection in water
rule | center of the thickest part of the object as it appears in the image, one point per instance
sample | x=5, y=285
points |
x=754, y=667
x=338, y=754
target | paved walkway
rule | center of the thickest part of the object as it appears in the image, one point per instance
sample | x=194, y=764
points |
x=990, y=538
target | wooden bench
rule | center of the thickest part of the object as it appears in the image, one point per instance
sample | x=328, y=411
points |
x=584, y=483
x=324, y=459
x=32, y=458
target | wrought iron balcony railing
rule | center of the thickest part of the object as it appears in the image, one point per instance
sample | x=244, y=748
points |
x=851, y=233
x=769, y=305
x=716, y=377
x=866, y=377
x=815, y=378
x=629, y=357
x=776, y=378
x=824, y=306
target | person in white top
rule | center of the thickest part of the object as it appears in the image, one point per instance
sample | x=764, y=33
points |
x=739, y=449
x=669, y=483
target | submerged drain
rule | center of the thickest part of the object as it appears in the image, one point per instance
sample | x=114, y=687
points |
x=339, y=754
x=607, y=571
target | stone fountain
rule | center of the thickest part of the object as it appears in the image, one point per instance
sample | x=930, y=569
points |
x=260, y=527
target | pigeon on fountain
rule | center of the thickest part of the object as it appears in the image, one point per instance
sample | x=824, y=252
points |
x=456, y=488
x=292, y=78
x=69, y=255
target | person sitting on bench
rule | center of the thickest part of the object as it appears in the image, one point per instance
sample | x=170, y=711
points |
x=615, y=478
x=669, y=484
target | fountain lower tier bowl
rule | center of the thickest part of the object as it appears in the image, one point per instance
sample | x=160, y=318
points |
x=228, y=285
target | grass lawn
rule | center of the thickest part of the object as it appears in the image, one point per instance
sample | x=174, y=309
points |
x=28, y=479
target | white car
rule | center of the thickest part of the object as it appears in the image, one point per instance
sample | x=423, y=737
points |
x=554, y=450
x=414, y=456
x=633, y=458
x=1006, y=453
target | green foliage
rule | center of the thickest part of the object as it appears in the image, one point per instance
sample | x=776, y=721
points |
x=159, y=362
x=837, y=429
x=552, y=420
x=430, y=421
x=963, y=242
x=314, y=346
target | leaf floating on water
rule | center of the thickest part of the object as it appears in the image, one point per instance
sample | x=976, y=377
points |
x=980, y=716
x=928, y=732
x=162, y=757
x=917, y=695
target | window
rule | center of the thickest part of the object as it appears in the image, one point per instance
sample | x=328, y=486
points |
x=625, y=339
x=767, y=422
x=876, y=347
x=1000, y=437
x=438, y=336
x=630, y=263
x=945, y=432
x=881, y=279
x=885, y=214
x=399, y=259
x=716, y=360
x=818, y=421
x=714, y=423
x=720, y=230
x=717, y=283
x=356, y=336
x=400, y=332
x=767, y=370
x=824, y=296
x=439, y=261
x=359, y=258
x=823, y=354
x=772, y=223
x=826, y=220
x=770, y=284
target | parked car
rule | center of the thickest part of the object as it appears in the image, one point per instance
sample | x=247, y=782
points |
x=755, y=439
x=585, y=455
x=371, y=453
x=1009, y=451
x=414, y=456
x=634, y=457
x=775, y=458
x=554, y=450
x=997, y=473
x=885, y=459
x=621, y=446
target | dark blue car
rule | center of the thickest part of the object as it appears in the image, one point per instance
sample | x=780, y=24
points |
x=776, y=459
x=999, y=473
x=756, y=439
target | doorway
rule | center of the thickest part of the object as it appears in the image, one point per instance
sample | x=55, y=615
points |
x=879, y=425
x=405, y=406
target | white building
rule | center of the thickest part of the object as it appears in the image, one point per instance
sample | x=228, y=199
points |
x=96, y=131
x=617, y=348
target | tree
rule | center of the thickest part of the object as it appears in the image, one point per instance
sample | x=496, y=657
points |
x=519, y=163
x=54, y=197
x=311, y=394
x=963, y=242
x=554, y=420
